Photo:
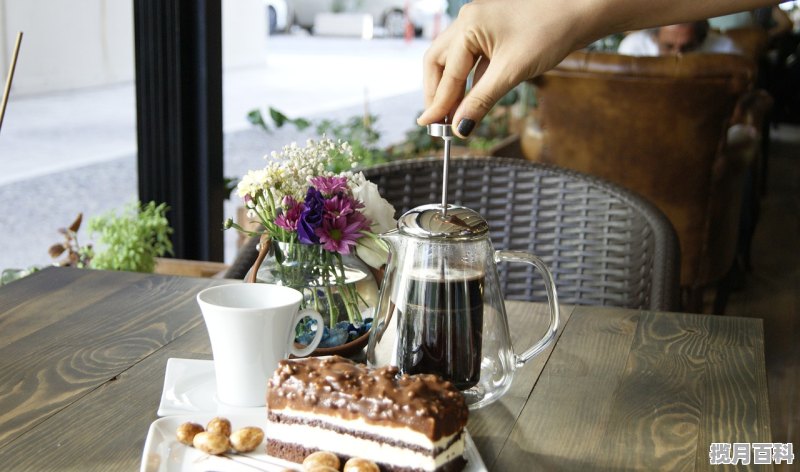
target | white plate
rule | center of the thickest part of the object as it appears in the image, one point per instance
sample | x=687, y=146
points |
x=163, y=452
x=190, y=386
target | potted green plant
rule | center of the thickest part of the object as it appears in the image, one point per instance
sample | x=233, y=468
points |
x=137, y=239
x=132, y=239
x=128, y=241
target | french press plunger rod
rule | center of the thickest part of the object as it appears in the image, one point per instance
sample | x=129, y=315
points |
x=444, y=131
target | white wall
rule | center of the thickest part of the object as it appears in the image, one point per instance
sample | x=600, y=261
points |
x=71, y=44
x=244, y=33
x=68, y=43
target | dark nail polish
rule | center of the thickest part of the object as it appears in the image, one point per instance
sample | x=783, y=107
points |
x=465, y=126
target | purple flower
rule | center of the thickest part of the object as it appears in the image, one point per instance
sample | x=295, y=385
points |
x=340, y=206
x=357, y=218
x=330, y=185
x=311, y=217
x=290, y=215
x=340, y=234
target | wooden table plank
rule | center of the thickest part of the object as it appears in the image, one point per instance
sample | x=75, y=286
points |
x=657, y=405
x=731, y=413
x=25, y=311
x=490, y=426
x=52, y=367
x=683, y=373
x=92, y=427
x=629, y=390
x=566, y=415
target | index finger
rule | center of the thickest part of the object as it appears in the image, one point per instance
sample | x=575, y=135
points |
x=431, y=74
x=451, y=83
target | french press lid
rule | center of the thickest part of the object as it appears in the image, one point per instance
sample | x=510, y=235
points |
x=443, y=221
x=430, y=222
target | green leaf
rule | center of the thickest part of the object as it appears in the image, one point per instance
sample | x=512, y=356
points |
x=301, y=123
x=255, y=118
x=277, y=117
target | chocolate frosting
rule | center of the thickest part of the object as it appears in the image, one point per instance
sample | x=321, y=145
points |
x=336, y=386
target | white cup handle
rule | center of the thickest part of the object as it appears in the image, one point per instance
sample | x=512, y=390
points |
x=317, y=337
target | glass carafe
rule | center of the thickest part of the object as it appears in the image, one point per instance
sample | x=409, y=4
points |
x=440, y=309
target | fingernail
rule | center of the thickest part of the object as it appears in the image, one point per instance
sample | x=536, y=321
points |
x=465, y=126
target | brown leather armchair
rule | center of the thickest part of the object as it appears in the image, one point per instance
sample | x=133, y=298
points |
x=752, y=40
x=662, y=127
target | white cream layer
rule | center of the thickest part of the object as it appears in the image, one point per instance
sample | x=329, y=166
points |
x=318, y=438
x=406, y=435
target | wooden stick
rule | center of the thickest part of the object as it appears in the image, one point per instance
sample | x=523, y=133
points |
x=10, y=77
x=263, y=250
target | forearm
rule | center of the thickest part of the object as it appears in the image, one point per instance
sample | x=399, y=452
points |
x=614, y=16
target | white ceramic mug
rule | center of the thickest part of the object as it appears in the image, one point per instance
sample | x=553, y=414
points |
x=251, y=327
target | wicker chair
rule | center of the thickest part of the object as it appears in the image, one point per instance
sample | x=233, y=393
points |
x=604, y=245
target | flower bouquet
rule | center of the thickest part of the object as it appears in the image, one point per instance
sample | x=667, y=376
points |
x=319, y=225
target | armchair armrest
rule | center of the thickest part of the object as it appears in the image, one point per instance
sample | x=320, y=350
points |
x=743, y=137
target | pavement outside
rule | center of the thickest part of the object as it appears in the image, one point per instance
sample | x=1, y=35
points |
x=66, y=153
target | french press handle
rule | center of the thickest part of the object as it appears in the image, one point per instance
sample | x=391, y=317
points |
x=552, y=299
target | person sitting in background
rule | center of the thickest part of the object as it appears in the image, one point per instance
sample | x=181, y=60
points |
x=676, y=39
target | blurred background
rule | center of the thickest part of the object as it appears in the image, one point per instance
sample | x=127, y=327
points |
x=68, y=143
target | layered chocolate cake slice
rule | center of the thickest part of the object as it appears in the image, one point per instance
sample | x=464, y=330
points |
x=402, y=423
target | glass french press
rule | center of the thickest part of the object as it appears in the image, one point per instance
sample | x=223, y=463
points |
x=440, y=309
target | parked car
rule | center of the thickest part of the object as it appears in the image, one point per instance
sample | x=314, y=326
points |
x=390, y=14
x=277, y=15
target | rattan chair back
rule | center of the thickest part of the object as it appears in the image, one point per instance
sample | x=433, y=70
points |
x=603, y=244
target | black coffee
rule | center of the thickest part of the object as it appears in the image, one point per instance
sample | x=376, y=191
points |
x=442, y=328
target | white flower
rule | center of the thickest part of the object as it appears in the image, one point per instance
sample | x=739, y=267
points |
x=370, y=249
x=376, y=208
x=289, y=171
x=251, y=183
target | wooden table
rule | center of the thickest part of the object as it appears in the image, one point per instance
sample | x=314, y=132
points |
x=83, y=354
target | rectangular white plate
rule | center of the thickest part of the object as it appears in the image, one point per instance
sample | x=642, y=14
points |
x=163, y=452
x=190, y=387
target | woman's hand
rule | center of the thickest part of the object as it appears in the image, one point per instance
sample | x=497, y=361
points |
x=509, y=40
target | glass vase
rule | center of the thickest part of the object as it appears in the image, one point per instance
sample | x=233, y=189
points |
x=340, y=287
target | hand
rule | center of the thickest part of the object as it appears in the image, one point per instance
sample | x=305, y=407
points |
x=509, y=40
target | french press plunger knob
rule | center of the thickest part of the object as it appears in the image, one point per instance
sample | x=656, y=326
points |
x=444, y=131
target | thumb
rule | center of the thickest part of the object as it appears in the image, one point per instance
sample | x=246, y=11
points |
x=488, y=89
